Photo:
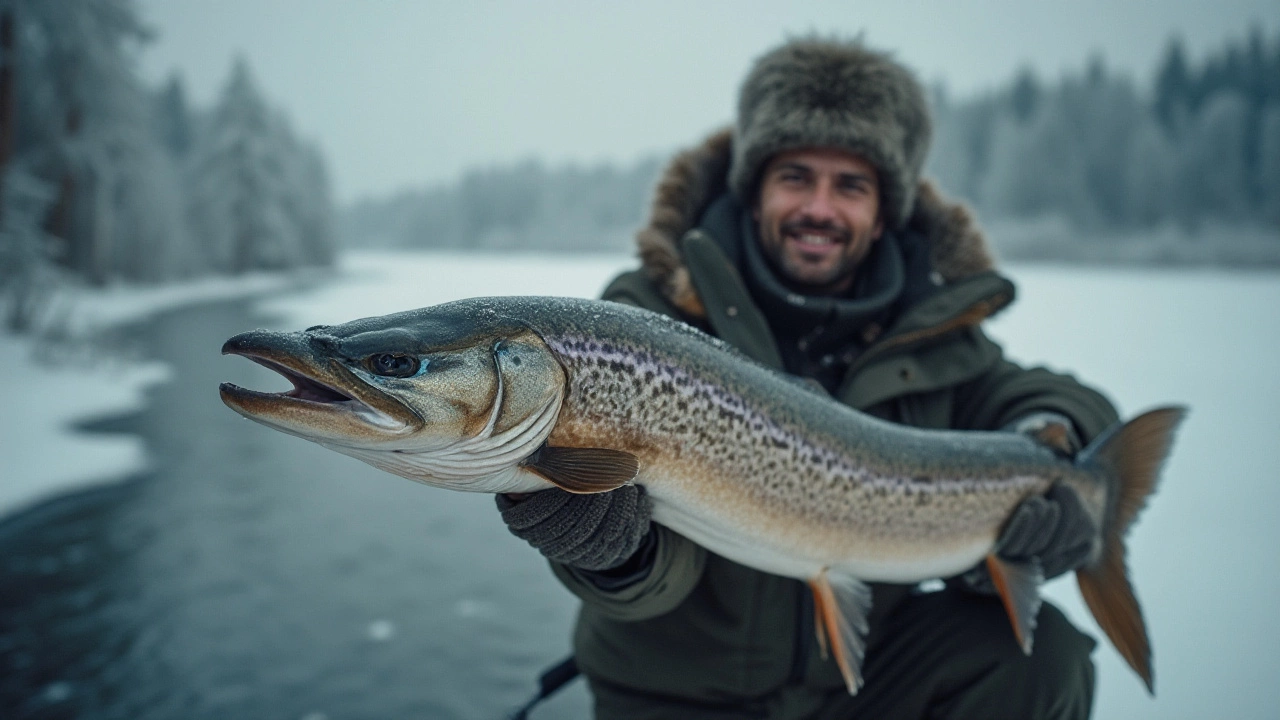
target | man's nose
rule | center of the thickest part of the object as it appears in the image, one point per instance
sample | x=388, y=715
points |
x=820, y=205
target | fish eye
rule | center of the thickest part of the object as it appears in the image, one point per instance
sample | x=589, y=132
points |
x=392, y=365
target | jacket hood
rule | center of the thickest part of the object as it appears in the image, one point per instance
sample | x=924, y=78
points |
x=698, y=176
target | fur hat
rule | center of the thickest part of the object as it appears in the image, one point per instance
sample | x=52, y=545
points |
x=817, y=92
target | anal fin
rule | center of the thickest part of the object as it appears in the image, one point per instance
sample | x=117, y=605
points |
x=1019, y=587
x=584, y=470
x=841, y=604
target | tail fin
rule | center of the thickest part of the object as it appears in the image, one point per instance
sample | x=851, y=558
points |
x=1132, y=455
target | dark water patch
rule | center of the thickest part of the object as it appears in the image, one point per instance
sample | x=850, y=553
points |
x=254, y=575
x=113, y=424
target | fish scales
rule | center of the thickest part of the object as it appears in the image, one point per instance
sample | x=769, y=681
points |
x=830, y=495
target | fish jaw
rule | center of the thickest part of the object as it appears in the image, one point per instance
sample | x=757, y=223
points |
x=328, y=403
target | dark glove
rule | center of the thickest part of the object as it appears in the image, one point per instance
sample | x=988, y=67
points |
x=1053, y=529
x=589, y=532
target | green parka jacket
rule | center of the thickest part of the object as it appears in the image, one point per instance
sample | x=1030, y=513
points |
x=702, y=628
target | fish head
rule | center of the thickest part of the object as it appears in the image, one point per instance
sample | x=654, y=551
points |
x=442, y=397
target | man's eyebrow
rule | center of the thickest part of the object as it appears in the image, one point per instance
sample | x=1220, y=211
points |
x=857, y=175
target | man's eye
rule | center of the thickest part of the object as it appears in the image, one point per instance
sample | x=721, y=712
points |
x=392, y=365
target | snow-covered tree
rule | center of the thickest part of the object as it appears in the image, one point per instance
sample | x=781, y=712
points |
x=1214, y=169
x=27, y=271
x=258, y=199
x=1269, y=163
x=1152, y=182
x=82, y=125
x=172, y=117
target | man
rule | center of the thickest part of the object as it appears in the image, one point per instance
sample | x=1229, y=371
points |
x=806, y=238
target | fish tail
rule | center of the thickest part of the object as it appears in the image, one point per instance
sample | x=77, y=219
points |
x=1131, y=455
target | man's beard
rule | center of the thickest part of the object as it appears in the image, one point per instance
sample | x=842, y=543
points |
x=798, y=275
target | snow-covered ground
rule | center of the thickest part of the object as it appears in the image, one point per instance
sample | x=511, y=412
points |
x=49, y=385
x=1202, y=556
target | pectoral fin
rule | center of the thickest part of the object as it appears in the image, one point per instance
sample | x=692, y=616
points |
x=584, y=470
x=1019, y=587
x=841, y=605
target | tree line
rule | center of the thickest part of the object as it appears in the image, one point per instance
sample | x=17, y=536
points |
x=1199, y=143
x=526, y=205
x=104, y=179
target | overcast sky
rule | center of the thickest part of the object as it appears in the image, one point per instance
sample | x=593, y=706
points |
x=410, y=93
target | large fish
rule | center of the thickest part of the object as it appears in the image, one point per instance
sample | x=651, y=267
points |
x=524, y=394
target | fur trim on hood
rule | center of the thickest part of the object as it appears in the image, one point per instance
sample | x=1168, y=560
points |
x=698, y=176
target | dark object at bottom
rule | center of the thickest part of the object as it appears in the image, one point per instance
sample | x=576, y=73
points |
x=947, y=655
x=549, y=683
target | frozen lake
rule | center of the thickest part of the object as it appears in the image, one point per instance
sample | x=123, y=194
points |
x=246, y=573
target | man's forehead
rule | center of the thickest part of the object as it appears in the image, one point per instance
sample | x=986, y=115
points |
x=828, y=159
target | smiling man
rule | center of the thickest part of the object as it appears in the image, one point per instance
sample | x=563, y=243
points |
x=806, y=237
x=819, y=213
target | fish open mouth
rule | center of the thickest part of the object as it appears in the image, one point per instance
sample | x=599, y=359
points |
x=305, y=388
x=319, y=405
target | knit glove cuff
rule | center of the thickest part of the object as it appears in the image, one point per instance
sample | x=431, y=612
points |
x=589, y=532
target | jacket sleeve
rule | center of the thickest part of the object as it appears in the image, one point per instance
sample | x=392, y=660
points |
x=1007, y=392
x=677, y=566
x=677, y=562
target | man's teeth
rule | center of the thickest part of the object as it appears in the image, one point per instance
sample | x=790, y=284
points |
x=816, y=240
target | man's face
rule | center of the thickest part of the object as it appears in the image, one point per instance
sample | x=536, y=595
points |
x=819, y=213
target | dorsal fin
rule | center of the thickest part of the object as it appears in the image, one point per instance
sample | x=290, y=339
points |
x=584, y=470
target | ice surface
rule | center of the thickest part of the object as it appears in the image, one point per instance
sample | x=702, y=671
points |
x=1202, y=557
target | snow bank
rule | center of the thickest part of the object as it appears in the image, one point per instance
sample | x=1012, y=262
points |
x=43, y=455
x=41, y=452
